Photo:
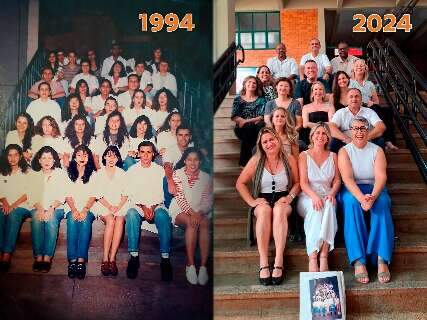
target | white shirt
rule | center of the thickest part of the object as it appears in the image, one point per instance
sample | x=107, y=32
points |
x=100, y=124
x=145, y=80
x=321, y=59
x=282, y=68
x=37, y=109
x=134, y=143
x=56, y=143
x=367, y=88
x=158, y=118
x=13, y=138
x=100, y=145
x=167, y=81
x=91, y=80
x=131, y=114
x=108, y=63
x=122, y=82
x=80, y=192
x=145, y=185
x=343, y=117
x=173, y=155
x=362, y=162
x=14, y=186
x=112, y=189
x=67, y=148
x=124, y=99
x=165, y=139
x=98, y=103
x=339, y=64
x=46, y=189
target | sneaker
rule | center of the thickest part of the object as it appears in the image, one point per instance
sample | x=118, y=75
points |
x=203, y=275
x=166, y=269
x=81, y=270
x=190, y=273
x=72, y=268
x=133, y=266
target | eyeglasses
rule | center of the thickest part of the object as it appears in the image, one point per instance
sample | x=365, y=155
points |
x=361, y=129
x=345, y=48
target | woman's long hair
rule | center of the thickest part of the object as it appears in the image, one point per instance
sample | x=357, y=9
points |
x=121, y=134
x=5, y=167
x=258, y=91
x=90, y=167
x=29, y=133
x=55, y=128
x=148, y=132
x=78, y=84
x=144, y=101
x=70, y=131
x=181, y=163
x=289, y=128
x=166, y=124
x=122, y=72
x=116, y=151
x=172, y=101
x=336, y=91
x=271, y=81
x=66, y=112
x=35, y=164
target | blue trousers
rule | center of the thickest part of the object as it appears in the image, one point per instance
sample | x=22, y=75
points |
x=379, y=240
x=79, y=234
x=168, y=196
x=163, y=224
x=9, y=228
x=45, y=233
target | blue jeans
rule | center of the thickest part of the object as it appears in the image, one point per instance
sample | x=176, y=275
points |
x=79, y=234
x=163, y=224
x=168, y=196
x=45, y=233
x=128, y=162
x=9, y=228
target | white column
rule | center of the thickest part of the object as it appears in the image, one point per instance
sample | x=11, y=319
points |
x=33, y=29
x=321, y=28
x=224, y=26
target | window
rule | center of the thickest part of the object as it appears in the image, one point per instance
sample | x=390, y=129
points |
x=258, y=30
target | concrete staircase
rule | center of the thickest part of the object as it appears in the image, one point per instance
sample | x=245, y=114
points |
x=237, y=293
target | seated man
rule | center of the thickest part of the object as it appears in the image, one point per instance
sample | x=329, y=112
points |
x=164, y=79
x=57, y=91
x=124, y=99
x=321, y=59
x=344, y=61
x=282, y=66
x=90, y=79
x=303, y=88
x=108, y=62
x=145, y=190
x=71, y=69
x=342, y=119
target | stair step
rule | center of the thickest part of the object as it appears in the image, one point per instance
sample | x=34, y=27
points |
x=235, y=256
x=237, y=294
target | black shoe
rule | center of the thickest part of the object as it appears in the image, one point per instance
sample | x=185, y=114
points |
x=265, y=281
x=72, y=270
x=37, y=266
x=133, y=266
x=80, y=270
x=166, y=269
x=277, y=280
x=45, y=266
x=4, y=266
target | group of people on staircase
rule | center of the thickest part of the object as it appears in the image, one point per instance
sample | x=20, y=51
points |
x=341, y=167
x=115, y=148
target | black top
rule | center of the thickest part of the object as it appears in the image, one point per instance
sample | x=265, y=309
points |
x=303, y=90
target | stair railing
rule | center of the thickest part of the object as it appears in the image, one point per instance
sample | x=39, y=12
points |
x=401, y=84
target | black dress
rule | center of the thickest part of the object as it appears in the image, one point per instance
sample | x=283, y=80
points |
x=314, y=117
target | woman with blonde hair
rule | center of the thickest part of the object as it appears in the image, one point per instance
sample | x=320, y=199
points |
x=275, y=186
x=320, y=182
x=282, y=122
x=359, y=80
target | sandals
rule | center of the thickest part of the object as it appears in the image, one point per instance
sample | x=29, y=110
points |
x=383, y=277
x=275, y=281
x=265, y=281
x=360, y=276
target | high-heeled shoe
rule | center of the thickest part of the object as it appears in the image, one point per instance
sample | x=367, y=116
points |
x=277, y=280
x=265, y=281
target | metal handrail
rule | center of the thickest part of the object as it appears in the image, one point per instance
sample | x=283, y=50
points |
x=19, y=100
x=225, y=72
x=394, y=72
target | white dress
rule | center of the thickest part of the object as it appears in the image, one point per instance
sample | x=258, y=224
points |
x=321, y=225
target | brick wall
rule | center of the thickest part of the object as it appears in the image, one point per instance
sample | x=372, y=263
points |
x=298, y=26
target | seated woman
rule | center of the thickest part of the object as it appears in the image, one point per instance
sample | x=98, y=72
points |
x=276, y=184
x=52, y=61
x=317, y=110
x=78, y=132
x=73, y=107
x=111, y=207
x=13, y=199
x=282, y=122
x=268, y=88
x=340, y=90
x=166, y=136
x=137, y=108
x=248, y=114
x=45, y=197
x=191, y=209
x=359, y=80
x=114, y=134
x=22, y=135
x=141, y=130
x=80, y=197
x=118, y=77
x=95, y=67
x=82, y=90
x=164, y=102
x=48, y=134
x=153, y=63
x=98, y=101
x=110, y=105
x=320, y=182
x=363, y=166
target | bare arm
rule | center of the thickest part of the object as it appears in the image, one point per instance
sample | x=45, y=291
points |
x=298, y=123
x=377, y=131
x=245, y=178
x=380, y=166
x=301, y=73
x=336, y=183
x=305, y=185
x=337, y=134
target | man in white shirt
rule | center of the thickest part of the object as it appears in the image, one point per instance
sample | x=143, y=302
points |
x=57, y=91
x=90, y=79
x=344, y=61
x=323, y=65
x=146, y=197
x=164, y=79
x=125, y=98
x=342, y=119
x=282, y=66
x=108, y=62
x=145, y=81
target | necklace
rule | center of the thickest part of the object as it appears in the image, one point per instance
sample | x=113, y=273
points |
x=273, y=182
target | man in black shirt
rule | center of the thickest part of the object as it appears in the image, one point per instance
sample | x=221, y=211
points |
x=303, y=88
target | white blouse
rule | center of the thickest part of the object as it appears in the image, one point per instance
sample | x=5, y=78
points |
x=80, y=192
x=13, y=187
